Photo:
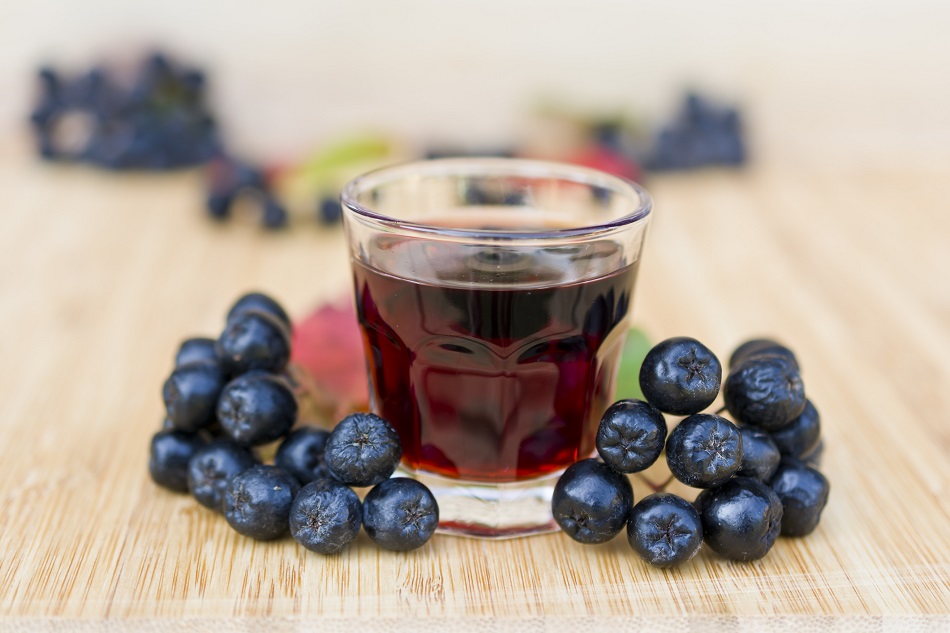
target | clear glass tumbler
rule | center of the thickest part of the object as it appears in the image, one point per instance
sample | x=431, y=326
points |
x=493, y=296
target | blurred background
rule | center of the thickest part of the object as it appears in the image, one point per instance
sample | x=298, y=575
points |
x=844, y=82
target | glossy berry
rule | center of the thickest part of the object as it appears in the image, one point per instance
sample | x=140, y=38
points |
x=275, y=214
x=814, y=456
x=665, y=530
x=761, y=347
x=363, y=450
x=591, y=501
x=800, y=436
x=741, y=519
x=760, y=456
x=257, y=502
x=262, y=303
x=680, y=376
x=400, y=514
x=254, y=340
x=631, y=435
x=257, y=408
x=213, y=467
x=218, y=204
x=191, y=394
x=196, y=349
x=765, y=391
x=704, y=451
x=302, y=454
x=325, y=516
x=169, y=453
x=804, y=494
x=330, y=211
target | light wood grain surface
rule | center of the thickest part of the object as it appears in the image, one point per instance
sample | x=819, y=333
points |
x=102, y=276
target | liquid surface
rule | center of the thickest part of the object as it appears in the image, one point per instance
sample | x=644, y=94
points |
x=499, y=365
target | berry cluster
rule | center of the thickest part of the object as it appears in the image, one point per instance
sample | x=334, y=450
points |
x=158, y=121
x=227, y=397
x=703, y=134
x=229, y=178
x=758, y=478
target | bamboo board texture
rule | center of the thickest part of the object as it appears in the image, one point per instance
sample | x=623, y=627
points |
x=102, y=276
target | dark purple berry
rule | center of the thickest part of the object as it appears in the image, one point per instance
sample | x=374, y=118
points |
x=765, y=391
x=814, y=457
x=325, y=516
x=254, y=340
x=591, y=501
x=257, y=502
x=800, y=436
x=631, y=435
x=680, y=376
x=741, y=518
x=704, y=451
x=262, y=303
x=196, y=349
x=302, y=454
x=665, y=530
x=400, y=514
x=363, y=450
x=760, y=456
x=191, y=394
x=212, y=468
x=804, y=494
x=761, y=347
x=169, y=453
x=257, y=408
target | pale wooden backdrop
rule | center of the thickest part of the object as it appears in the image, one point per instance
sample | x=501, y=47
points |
x=102, y=276
x=861, y=79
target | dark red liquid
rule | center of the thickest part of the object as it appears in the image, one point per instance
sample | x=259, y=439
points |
x=493, y=383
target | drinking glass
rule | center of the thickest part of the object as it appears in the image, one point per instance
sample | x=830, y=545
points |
x=493, y=297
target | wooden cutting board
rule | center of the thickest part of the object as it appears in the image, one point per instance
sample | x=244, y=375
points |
x=103, y=275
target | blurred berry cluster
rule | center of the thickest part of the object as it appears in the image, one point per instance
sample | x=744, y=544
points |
x=158, y=119
x=701, y=135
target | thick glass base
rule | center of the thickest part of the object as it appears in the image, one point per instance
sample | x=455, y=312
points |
x=488, y=510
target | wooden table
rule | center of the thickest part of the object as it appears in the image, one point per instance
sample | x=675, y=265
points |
x=103, y=275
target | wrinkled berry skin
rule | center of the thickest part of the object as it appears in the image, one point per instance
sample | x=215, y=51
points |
x=257, y=408
x=761, y=347
x=591, y=501
x=741, y=519
x=765, y=391
x=680, y=376
x=254, y=340
x=704, y=450
x=664, y=530
x=800, y=436
x=760, y=456
x=262, y=303
x=196, y=349
x=257, y=502
x=631, y=435
x=804, y=494
x=191, y=395
x=169, y=453
x=212, y=468
x=302, y=454
x=325, y=516
x=400, y=514
x=363, y=450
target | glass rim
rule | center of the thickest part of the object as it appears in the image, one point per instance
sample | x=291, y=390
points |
x=510, y=167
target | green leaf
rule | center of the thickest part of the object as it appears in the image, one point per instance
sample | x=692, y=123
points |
x=628, y=375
